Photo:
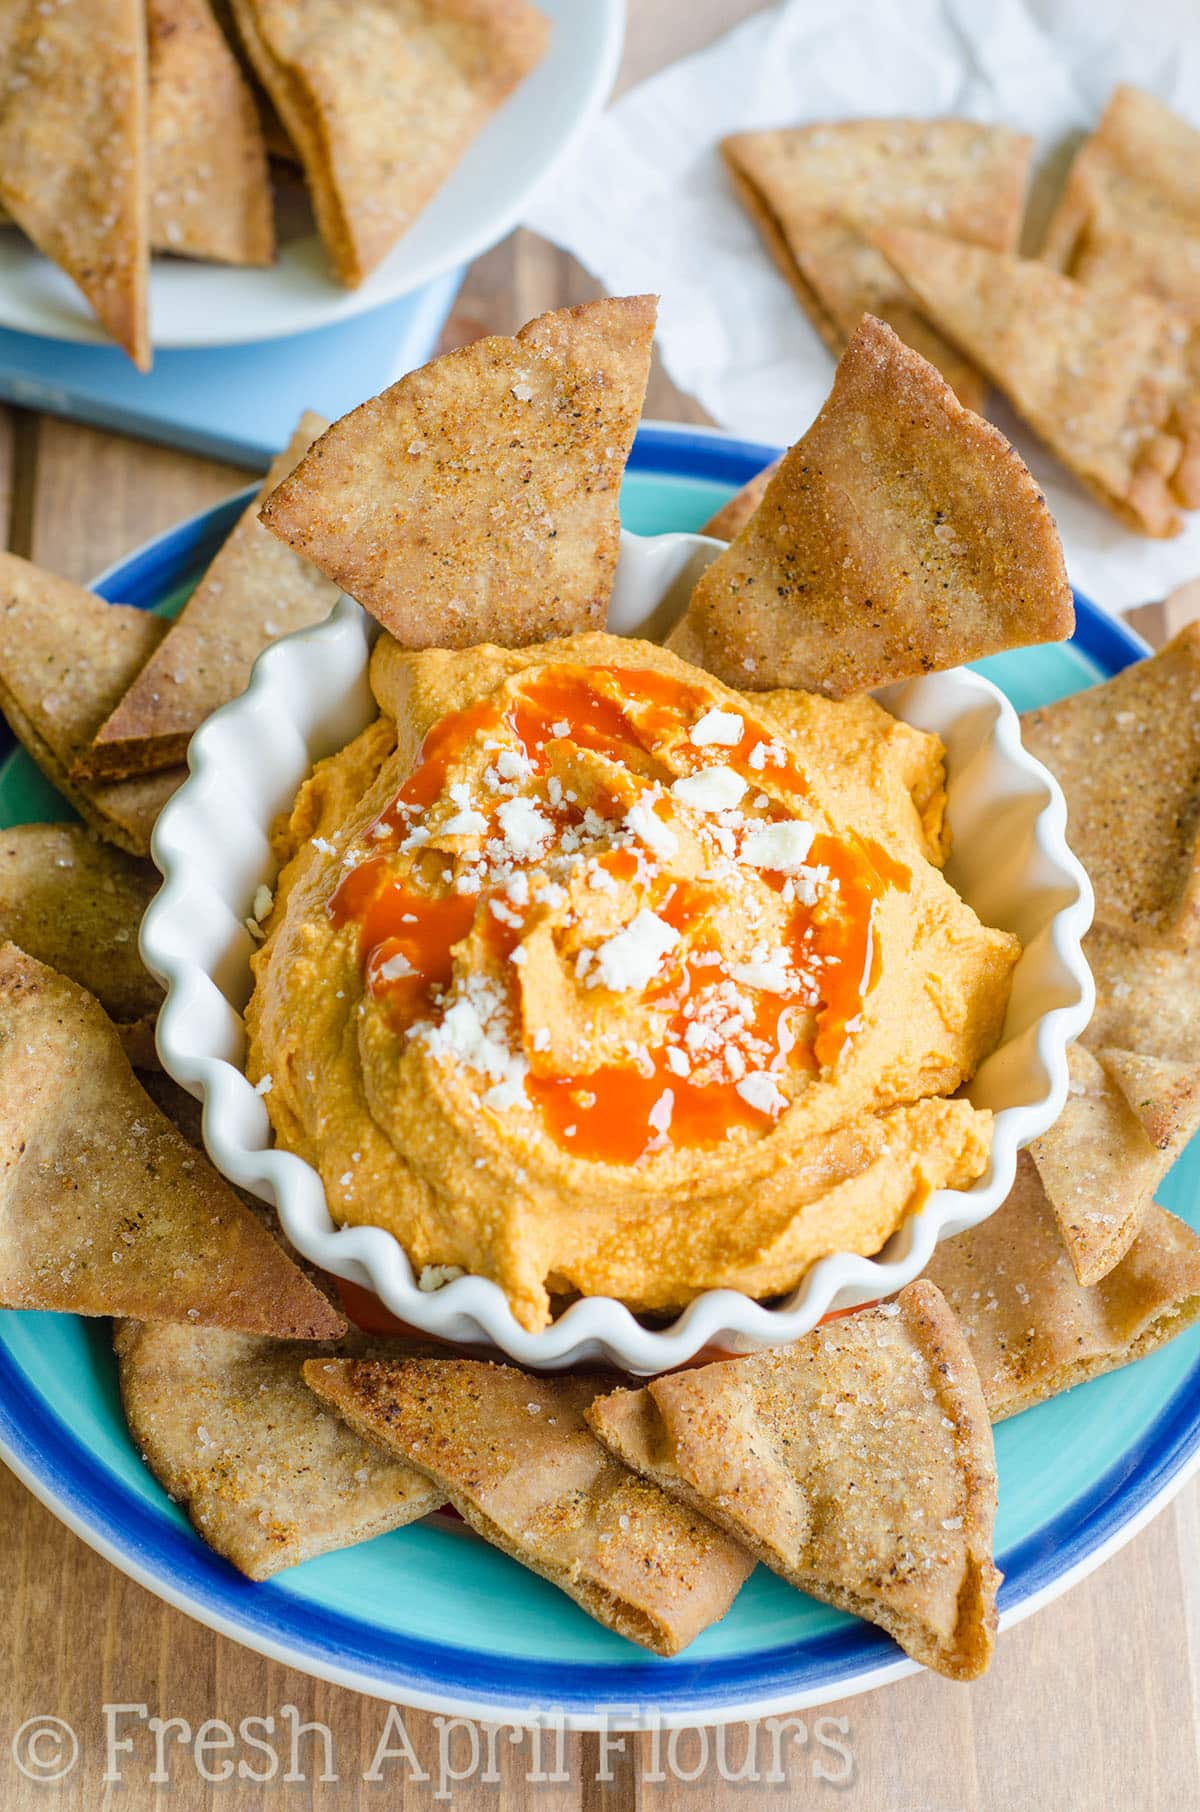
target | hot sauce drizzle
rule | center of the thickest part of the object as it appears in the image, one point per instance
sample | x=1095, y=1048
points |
x=408, y=927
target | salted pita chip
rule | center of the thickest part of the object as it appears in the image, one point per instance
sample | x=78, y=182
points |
x=104, y=1208
x=231, y=1431
x=76, y=903
x=515, y=1458
x=66, y=657
x=857, y=1463
x=901, y=535
x=477, y=499
x=1033, y=1329
x=1127, y=756
x=1098, y=1168
x=381, y=101
x=1107, y=381
x=733, y=516
x=814, y=192
x=255, y=591
x=1129, y=214
x=1145, y=997
x=73, y=152
x=210, y=192
x=1165, y=1096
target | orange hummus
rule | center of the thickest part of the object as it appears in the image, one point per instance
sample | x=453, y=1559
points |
x=589, y=974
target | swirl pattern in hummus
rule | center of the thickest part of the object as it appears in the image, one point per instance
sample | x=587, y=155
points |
x=589, y=974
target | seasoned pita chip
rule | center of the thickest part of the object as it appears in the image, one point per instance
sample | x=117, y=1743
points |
x=733, y=516
x=66, y=657
x=1129, y=215
x=477, y=499
x=1098, y=1168
x=1165, y=1096
x=515, y=1458
x=210, y=192
x=815, y=192
x=104, y=1208
x=1107, y=381
x=73, y=151
x=255, y=591
x=381, y=101
x=76, y=903
x=1145, y=997
x=1127, y=756
x=901, y=535
x=856, y=1463
x=1033, y=1329
x=230, y=1430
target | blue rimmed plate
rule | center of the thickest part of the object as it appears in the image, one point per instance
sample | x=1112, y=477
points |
x=430, y=1617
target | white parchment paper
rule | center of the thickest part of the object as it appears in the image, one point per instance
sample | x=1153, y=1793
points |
x=645, y=205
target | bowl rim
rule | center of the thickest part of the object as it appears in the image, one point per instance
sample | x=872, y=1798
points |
x=596, y=1326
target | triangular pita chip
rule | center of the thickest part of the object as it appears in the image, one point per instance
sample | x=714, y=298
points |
x=1165, y=1096
x=66, y=657
x=1129, y=215
x=477, y=499
x=1106, y=380
x=515, y=1458
x=733, y=516
x=269, y=1478
x=901, y=535
x=1127, y=756
x=75, y=903
x=105, y=1209
x=381, y=101
x=856, y=1463
x=815, y=191
x=255, y=591
x=1033, y=1329
x=1098, y=1168
x=1145, y=997
x=210, y=192
x=73, y=152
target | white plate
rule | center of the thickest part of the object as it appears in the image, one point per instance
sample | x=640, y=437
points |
x=194, y=304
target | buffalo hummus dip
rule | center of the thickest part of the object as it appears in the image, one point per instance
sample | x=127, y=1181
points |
x=588, y=974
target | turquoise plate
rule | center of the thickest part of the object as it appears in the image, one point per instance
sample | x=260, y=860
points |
x=430, y=1617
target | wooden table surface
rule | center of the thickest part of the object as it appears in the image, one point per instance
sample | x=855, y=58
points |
x=1094, y=1703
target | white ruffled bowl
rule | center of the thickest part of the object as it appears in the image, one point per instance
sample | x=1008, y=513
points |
x=309, y=695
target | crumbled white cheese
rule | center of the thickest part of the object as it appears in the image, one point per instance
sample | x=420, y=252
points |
x=395, y=967
x=717, y=726
x=631, y=958
x=648, y=827
x=780, y=846
x=711, y=790
x=525, y=828
x=433, y=1277
x=760, y=1091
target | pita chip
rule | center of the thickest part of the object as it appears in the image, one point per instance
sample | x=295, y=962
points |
x=857, y=1463
x=1107, y=381
x=1033, y=1329
x=255, y=591
x=1127, y=756
x=231, y=1431
x=477, y=500
x=732, y=517
x=73, y=152
x=1129, y=215
x=105, y=1209
x=1098, y=1168
x=512, y=1453
x=66, y=657
x=1164, y=1096
x=815, y=192
x=902, y=535
x=1145, y=997
x=75, y=903
x=381, y=101
x=210, y=191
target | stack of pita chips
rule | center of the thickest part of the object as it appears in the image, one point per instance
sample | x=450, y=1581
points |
x=816, y=192
x=1127, y=755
